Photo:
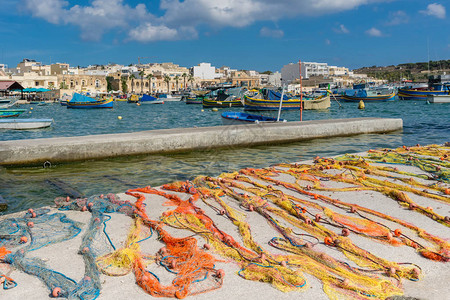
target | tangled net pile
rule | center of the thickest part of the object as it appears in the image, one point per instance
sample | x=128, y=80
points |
x=308, y=225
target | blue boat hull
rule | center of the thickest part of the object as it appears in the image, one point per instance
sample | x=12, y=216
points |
x=236, y=118
x=412, y=94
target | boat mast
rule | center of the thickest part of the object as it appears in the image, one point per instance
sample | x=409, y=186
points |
x=301, y=90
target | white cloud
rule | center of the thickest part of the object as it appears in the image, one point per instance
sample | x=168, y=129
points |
x=397, y=18
x=374, y=32
x=148, y=33
x=341, y=29
x=435, y=10
x=273, y=33
x=179, y=19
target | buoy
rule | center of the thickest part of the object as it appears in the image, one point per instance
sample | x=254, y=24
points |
x=284, y=264
x=67, y=199
x=30, y=224
x=90, y=204
x=215, y=109
x=346, y=282
x=84, y=208
x=119, y=117
x=173, y=264
x=56, y=291
x=31, y=108
x=85, y=250
x=30, y=210
x=33, y=215
x=207, y=246
x=318, y=217
x=361, y=105
x=389, y=236
x=251, y=208
x=203, y=110
x=163, y=250
x=138, y=104
x=397, y=232
x=345, y=232
x=328, y=241
x=416, y=272
x=412, y=206
x=23, y=239
x=308, y=245
x=392, y=271
x=447, y=191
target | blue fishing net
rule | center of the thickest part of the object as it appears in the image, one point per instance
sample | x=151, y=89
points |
x=20, y=237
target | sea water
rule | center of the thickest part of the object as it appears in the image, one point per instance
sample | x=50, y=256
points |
x=30, y=186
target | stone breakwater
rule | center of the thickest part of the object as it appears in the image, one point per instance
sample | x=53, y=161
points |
x=80, y=148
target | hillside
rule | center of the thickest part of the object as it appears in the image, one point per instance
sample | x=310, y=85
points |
x=412, y=71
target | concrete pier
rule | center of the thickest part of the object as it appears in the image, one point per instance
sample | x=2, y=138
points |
x=79, y=148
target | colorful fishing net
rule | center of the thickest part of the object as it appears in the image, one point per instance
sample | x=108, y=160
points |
x=313, y=229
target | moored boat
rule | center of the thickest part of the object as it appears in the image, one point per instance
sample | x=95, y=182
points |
x=369, y=98
x=167, y=97
x=438, y=98
x=147, y=99
x=240, y=118
x=418, y=94
x=82, y=101
x=25, y=124
x=9, y=113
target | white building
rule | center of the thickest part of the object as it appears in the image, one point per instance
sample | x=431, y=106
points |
x=205, y=71
x=291, y=72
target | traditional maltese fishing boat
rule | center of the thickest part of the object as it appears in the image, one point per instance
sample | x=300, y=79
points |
x=364, y=96
x=24, y=124
x=82, y=101
x=8, y=113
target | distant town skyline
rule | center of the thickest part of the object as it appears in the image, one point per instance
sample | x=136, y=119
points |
x=246, y=34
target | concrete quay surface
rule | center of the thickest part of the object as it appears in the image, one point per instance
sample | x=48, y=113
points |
x=79, y=148
x=64, y=257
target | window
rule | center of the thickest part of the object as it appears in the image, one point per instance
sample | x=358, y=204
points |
x=36, y=83
x=97, y=83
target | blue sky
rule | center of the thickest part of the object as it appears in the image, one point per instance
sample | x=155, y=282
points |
x=242, y=34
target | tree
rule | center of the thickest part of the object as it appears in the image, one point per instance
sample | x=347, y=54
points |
x=109, y=81
x=149, y=77
x=141, y=74
x=176, y=81
x=132, y=78
x=124, y=85
x=190, y=79
x=167, y=80
x=184, y=79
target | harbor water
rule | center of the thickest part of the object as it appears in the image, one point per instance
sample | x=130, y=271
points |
x=34, y=186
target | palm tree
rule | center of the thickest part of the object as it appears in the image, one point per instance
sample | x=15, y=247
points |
x=190, y=79
x=132, y=78
x=150, y=77
x=167, y=80
x=141, y=74
x=176, y=81
x=184, y=79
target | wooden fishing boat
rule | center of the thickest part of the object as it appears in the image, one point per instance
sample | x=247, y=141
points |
x=25, y=124
x=258, y=104
x=369, y=98
x=9, y=113
x=418, y=94
x=241, y=118
x=438, y=98
x=319, y=103
x=253, y=104
x=82, y=101
x=224, y=98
